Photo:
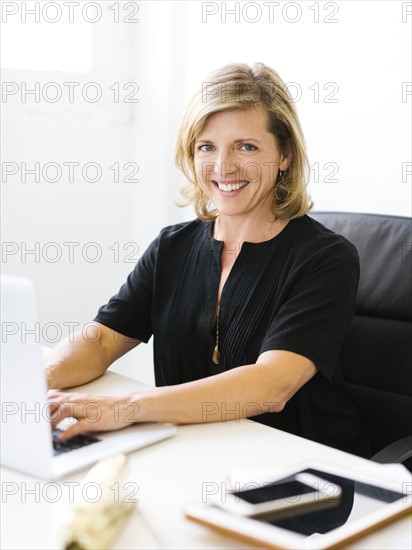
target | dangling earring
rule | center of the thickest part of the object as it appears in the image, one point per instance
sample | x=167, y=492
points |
x=278, y=183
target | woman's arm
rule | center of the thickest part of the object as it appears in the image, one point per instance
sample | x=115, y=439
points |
x=85, y=356
x=238, y=393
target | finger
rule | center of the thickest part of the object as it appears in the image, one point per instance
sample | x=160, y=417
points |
x=53, y=394
x=78, y=428
x=54, y=415
x=60, y=411
x=56, y=399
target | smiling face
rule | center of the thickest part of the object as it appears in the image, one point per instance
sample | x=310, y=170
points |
x=237, y=161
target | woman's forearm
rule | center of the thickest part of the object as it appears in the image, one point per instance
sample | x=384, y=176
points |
x=232, y=395
x=239, y=393
x=242, y=392
x=228, y=396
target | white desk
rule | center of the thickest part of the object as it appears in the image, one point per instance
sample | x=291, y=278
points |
x=169, y=475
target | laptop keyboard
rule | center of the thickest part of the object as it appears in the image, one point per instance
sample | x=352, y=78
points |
x=75, y=442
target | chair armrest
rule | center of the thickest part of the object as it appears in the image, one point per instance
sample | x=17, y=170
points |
x=398, y=451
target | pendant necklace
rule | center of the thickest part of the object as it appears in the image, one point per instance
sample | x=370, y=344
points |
x=216, y=352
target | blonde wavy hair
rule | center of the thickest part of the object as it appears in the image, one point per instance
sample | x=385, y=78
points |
x=239, y=86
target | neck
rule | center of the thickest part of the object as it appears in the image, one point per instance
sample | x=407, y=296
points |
x=230, y=229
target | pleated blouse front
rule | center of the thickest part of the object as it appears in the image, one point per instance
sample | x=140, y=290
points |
x=295, y=292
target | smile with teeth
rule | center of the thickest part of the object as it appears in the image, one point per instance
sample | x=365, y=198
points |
x=231, y=186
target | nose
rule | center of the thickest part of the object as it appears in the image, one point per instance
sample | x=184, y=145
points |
x=227, y=165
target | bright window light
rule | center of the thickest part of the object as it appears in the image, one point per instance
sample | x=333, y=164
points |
x=42, y=46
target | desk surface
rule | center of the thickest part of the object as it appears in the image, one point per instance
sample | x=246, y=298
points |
x=169, y=475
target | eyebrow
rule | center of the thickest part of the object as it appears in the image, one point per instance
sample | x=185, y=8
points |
x=241, y=140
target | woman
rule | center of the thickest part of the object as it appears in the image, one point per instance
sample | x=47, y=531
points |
x=249, y=303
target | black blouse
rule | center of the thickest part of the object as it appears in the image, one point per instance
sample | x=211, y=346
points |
x=295, y=292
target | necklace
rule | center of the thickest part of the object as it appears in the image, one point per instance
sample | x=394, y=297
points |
x=268, y=234
x=216, y=352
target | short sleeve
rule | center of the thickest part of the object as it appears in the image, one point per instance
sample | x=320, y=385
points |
x=129, y=311
x=318, y=308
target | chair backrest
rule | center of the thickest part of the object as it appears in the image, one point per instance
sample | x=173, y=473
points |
x=377, y=353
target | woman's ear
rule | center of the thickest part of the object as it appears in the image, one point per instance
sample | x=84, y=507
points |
x=286, y=157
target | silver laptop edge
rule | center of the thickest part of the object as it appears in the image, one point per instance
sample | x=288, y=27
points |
x=26, y=443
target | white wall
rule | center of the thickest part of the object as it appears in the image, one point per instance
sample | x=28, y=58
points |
x=362, y=61
x=365, y=135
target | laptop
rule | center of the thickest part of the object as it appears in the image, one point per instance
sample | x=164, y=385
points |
x=27, y=442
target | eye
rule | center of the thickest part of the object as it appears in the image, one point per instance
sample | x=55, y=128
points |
x=206, y=147
x=249, y=147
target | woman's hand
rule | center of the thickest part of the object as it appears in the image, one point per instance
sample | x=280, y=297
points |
x=93, y=413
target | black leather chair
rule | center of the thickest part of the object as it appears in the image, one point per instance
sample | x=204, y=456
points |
x=377, y=353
